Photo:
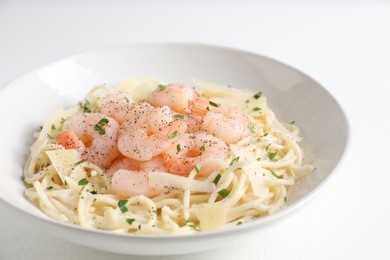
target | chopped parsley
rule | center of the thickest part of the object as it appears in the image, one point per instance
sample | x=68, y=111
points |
x=63, y=120
x=192, y=225
x=196, y=169
x=255, y=109
x=139, y=227
x=271, y=156
x=179, y=116
x=84, y=106
x=223, y=193
x=250, y=127
x=79, y=162
x=94, y=192
x=127, y=100
x=178, y=148
x=202, y=148
x=103, y=121
x=217, y=178
x=83, y=182
x=264, y=135
x=192, y=136
x=274, y=174
x=237, y=169
x=122, y=205
x=285, y=199
x=94, y=199
x=161, y=87
x=239, y=223
x=50, y=137
x=234, y=160
x=53, y=127
x=257, y=95
x=99, y=129
x=247, y=101
x=213, y=104
x=174, y=134
x=49, y=187
x=130, y=220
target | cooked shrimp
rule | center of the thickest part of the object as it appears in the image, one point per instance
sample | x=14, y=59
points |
x=142, y=138
x=193, y=148
x=154, y=164
x=226, y=122
x=94, y=135
x=130, y=177
x=121, y=107
x=179, y=97
x=128, y=183
x=193, y=121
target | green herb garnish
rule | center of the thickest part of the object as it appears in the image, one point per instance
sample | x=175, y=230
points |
x=83, y=182
x=130, y=220
x=84, y=106
x=274, y=174
x=174, y=134
x=192, y=225
x=223, y=193
x=202, y=148
x=103, y=121
x=255, y=109
x=53, y=127
x=99, y=129
x=239, y=223
x=161, y=86
x=50, y=137
x=127, y=100
x=179, y=116
x=271, y=156
x=63, y=120
x=139, y=227
x=94, y=192
x=178, y=149
x=196, y=169
x=79, y=162
x=213, y=104
x=234, y=160
x=192, y=136
x=49, y=187
x=247, y=101
x=122, y=205
x=217, y=178
x=250, y=127
x=257, y=95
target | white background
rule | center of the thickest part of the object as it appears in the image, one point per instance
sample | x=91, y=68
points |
x=343, y=45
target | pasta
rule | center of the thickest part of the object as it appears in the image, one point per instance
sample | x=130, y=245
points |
x=246, y=177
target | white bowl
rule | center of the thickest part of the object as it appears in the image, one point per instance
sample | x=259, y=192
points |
x=29, y=99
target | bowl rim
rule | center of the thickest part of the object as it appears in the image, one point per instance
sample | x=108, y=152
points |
x=248, y=227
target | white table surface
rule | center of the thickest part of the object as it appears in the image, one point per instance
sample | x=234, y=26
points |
x=344, y=46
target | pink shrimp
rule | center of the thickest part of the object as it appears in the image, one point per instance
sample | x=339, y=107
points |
x=191, y=149
x=179, y=97
x=130, y=177
x=226, y=122
x=143, y=137
x=118, y=106
x=94, y=135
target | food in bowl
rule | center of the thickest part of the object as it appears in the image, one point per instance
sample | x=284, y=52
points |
x=152, y=158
